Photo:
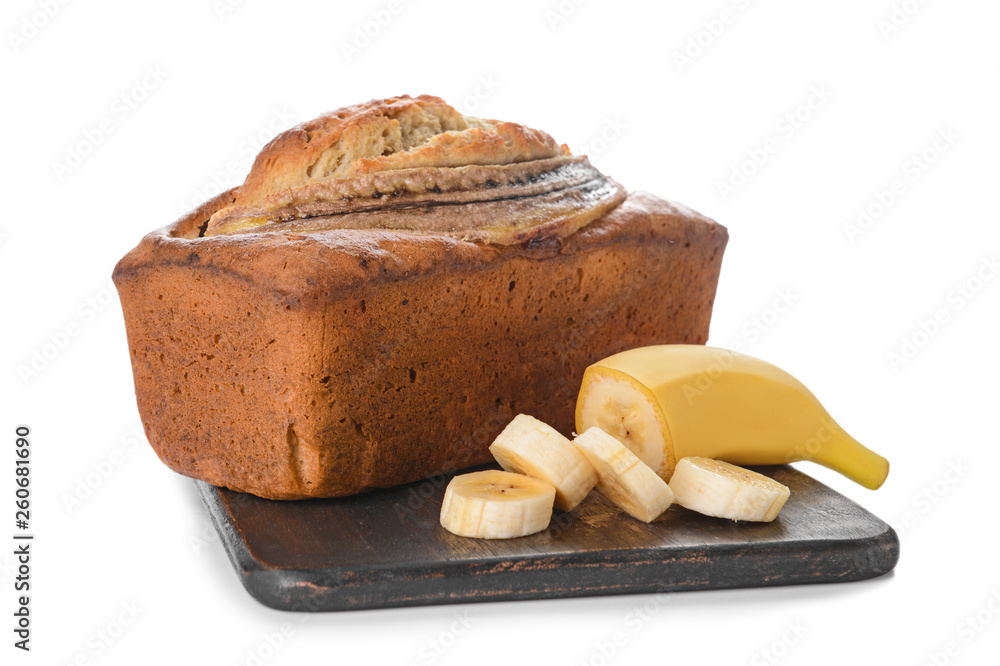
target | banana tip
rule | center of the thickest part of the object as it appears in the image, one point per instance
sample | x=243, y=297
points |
x=876, y=482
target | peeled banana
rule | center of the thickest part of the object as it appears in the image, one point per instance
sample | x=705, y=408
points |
x=717, y=488
x=496, y=505
x=673, y=401
x=528, y=446
x=623, y=478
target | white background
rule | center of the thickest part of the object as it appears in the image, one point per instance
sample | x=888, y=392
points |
x=606, y=78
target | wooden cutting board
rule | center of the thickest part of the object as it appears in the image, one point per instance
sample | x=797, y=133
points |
x=386, y=548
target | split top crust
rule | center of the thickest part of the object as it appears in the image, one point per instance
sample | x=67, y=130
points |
x=417, y=165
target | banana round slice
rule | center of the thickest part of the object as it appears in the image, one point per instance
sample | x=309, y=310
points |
x=528, y=446
x=623, y=478
x=717, y=488
x=496, y=505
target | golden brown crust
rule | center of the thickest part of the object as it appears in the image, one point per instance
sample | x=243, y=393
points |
x=395, y=133
x=332, y=362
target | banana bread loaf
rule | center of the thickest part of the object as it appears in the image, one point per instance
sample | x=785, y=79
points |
x=393, y=282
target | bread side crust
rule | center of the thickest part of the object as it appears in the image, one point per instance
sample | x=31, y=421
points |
x=329, y=363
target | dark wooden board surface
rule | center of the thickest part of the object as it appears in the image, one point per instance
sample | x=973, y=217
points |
x=386, y=548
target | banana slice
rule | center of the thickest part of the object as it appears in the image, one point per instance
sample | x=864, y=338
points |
x=717, y=488
x=496, y=505
x=623, y=478
x=623, y=408
x=528, y=446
